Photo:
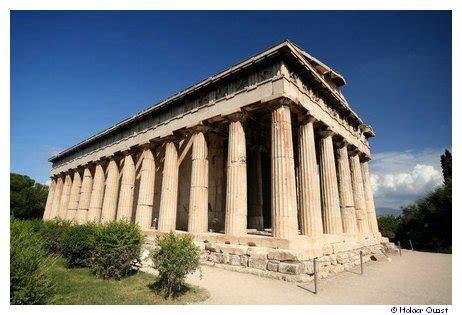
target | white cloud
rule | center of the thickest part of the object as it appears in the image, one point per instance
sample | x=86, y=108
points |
x=399, y=178
x=48, y=182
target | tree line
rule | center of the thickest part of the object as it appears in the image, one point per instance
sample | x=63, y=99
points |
x=428, y=221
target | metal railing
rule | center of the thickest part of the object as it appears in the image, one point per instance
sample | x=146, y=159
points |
x=315, y=272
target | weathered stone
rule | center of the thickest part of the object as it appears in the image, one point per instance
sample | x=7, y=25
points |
x=283, y=254
x=257, y=263
x=244, y=261
x=290, y=268
x=232, y=249
x=308, y=267
x=212, y=247
x=272, y=265
x=258, y=252
x=234, y=260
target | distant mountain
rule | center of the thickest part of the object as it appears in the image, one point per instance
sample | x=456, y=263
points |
x=388, y=211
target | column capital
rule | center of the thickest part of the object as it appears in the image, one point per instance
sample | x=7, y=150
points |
x=237, y=116
x=326, y=132
x=282, y=102
x=341, y=143
x=200, y=128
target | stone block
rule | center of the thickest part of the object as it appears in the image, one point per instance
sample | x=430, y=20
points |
x=216, y=258
x=308, y=267
x=212, y=247
x=327, y=250
x=257, y=263
x=272, y=265
x=244, y=261
x=233, y=249
x=293, y=268
x=283, y=254
x=258, y=252
x=226, y=259
x=234, y=260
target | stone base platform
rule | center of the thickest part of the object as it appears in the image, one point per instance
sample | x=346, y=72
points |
x=290, y=260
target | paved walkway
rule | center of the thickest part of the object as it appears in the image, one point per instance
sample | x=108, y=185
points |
x=414, y=278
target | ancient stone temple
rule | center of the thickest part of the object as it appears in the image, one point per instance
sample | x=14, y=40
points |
x=265, y=164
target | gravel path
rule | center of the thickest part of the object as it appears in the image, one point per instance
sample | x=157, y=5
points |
x=414, y=278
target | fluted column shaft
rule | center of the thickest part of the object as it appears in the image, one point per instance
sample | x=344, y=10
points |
x=127, y=185
x=85, y=195
x=49, y=203
x=331, y=217
x=65, y=195
x=97, y=195
x=310, y=194
x=57, y=198
x=111, y=193
x=358, y=192
x=169, y=191
x=73, y=204
x=198, y=197
x=255, y=189
x=347, y=204
x=284, y=200
x=370, y=206
x=236, y=188
x=146, y=191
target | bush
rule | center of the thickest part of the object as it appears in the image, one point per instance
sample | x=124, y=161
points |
x=53, y=233
x=388, y=225
x=174, y=258
x=78, y=245
x=29, y=265
x=117, y=250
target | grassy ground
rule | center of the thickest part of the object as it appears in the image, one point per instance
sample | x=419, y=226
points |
x=79, y=286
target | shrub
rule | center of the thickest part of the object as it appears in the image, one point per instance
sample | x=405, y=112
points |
x=174, y=258
x=29, y=265
x=117, y=250
x=53, y=233
x=78, y=245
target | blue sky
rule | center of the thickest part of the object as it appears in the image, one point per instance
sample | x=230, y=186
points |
x=76, y=73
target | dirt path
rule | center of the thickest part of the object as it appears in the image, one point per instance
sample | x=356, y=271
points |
x=414, y=278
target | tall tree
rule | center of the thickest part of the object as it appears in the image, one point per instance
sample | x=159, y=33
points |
x=27, y=198
x=446, y=166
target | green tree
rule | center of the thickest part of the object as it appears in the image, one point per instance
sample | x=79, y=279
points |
x=446, y=166
x=27, y=198
x=388, y=225
x=174, y=257
x=428, y=222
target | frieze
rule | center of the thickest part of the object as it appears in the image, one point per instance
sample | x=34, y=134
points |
x=176, y=110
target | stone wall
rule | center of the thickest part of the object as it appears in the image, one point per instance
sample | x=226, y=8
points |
x=283, y=264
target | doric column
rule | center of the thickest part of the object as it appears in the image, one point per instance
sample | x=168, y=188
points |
x=284, y=200
x=331, y=217
x=111, y=192
x=65, y=195
x=198, y=197
x=370, y=207
x=49, y=203
x=97, y=195
x=358, y=193
x=236, y=188
x=169, y=191
x=85, y=195
x=127, y=185
x=73, y=204
x=255, y=189
x=57, y=198
x=310, y=194
x=146, y=191
x=347, y=204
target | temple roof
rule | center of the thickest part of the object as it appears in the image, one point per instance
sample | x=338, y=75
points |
x=319, y=72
